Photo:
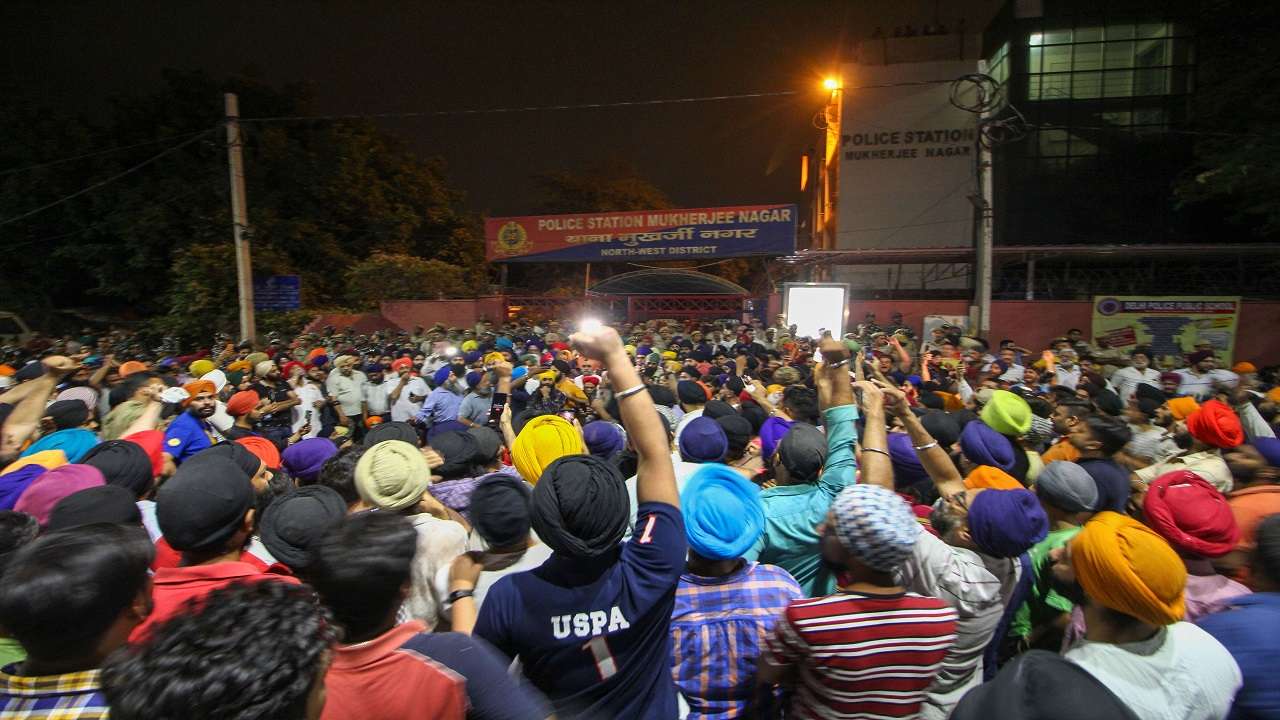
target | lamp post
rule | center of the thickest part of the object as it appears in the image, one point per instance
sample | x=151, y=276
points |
x=829, y=169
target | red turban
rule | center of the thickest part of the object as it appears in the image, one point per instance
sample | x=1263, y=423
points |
x=242, y=402
x=1216, y=424
x=195, y=387
x=264, y=449
x=289, y=367
x=590, y=380
x=1191, y=514
x=401, y=363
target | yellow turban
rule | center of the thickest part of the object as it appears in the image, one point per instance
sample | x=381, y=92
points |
x=548, y=375
x=668, y=355
x=392, y=475
x=542, y=441
x=469, y=345
x=200, y=367
x=630, y=350
x=239, y=366
x=1182, y=407
x=494, y=357
x=774, y=389
x=47, y=459
x=1127, y=567
x=992, y=478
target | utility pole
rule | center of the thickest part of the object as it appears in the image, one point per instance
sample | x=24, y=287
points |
x=239, y=218
x=986, y=230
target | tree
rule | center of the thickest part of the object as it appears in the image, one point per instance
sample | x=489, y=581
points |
x=1237, y=106
x=391, y=276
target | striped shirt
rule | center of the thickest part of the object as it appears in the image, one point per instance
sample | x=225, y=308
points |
x=70, y=696
x=862, y=656
x=718, y=629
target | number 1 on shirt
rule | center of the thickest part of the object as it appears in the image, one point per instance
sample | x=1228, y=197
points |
x=606, y=666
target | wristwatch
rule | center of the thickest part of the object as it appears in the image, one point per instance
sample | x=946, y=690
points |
x=457, y=595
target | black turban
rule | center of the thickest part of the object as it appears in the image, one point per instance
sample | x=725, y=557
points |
x=67, y=414
x=101, y=504
x=122, y=463
x=942, y=427
x=459, y=450
x=500, y=509
x=580, y=506
x=391, y=431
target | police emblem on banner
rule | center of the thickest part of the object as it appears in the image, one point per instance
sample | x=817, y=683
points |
x=512, y=239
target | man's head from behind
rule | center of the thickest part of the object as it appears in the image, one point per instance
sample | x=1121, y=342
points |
x=868, y=530
x=72, y=597
x=1100, y=435
x=361, y=570
x=252, y=650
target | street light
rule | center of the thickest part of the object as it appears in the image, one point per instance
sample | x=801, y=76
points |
x=831, y=84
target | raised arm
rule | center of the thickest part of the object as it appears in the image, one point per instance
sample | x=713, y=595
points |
x=31, y=403
x=932, y=456
x=655, y=477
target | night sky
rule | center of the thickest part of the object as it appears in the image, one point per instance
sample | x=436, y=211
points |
x=412, y=56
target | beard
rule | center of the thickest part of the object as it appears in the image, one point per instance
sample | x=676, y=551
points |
x=1072, y=591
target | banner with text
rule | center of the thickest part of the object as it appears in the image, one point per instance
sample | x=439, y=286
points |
x=907, y=158
x=1172, y=326
x=694, y=234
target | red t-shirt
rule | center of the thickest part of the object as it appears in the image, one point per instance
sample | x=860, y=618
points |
x=382, y=680
x=863, y=655
x=172, y=588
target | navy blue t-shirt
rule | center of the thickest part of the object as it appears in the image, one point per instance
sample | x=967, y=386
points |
x=594, y=636
x=1112, y=481
x=493, y=694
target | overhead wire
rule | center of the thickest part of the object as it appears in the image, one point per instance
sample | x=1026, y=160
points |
x=132, y=169
x=97, y=153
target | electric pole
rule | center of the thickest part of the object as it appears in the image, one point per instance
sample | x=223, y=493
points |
x=239, y=218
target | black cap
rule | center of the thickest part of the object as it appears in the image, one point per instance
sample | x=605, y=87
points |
x=691, y=393
x=67, y=414
x=102, y=504
x=203, y=505
x=295, y=522
x=802, y=451
x=248, y=463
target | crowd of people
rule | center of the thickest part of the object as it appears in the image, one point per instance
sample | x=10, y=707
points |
x=667, y=519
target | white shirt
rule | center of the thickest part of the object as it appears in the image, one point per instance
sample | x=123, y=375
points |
x=1201, y=386
x=684, y=421
x=308, y=394
x=532, y=558
x=977, y=587
x=375, y=398
x=439, y=542
x=1208, y=465
x=404, y=409
x=1067, y=378
x=1127, y=379
x=1182, y=673
x=348, y=391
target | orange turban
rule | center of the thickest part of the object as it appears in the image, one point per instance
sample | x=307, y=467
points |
x=314, y=353
x=1244, y=367
x=1181, y=407
x=242, y=402
x=1274, y=394
x=993, y=478
x=263, y=448
x=1127, y=567
x=195, y=387
x=131, y=367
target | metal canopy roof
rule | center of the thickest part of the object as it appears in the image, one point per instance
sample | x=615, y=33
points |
x=667, y=282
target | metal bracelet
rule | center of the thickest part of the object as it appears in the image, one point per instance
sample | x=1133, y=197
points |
x=631, y=391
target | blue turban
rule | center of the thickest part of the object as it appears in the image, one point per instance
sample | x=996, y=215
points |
x=907, y=469
x=441, y=375
x=643, y=350
x=471, y=357
x=703, y=441
x=518, y=372
x=373, y=368
x=1006, y=523
x=723, y=514
x=75, y=443
x=473, y=378
x=1269, y=448
x=984, y=446
x=603, y=439
x=320, y=360
x=305, y=459
x=771, y=434
x=447, y=426
x=503, y=343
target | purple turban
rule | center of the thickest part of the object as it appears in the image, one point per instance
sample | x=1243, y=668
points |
x=1269, y=448
x=703, y=441
x=320, y=360
x=984, y=446
x=40, y=497
x=771, y=434
x=907, y=469
x=603, y=439
x=304, y=459
x=1006, y=523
